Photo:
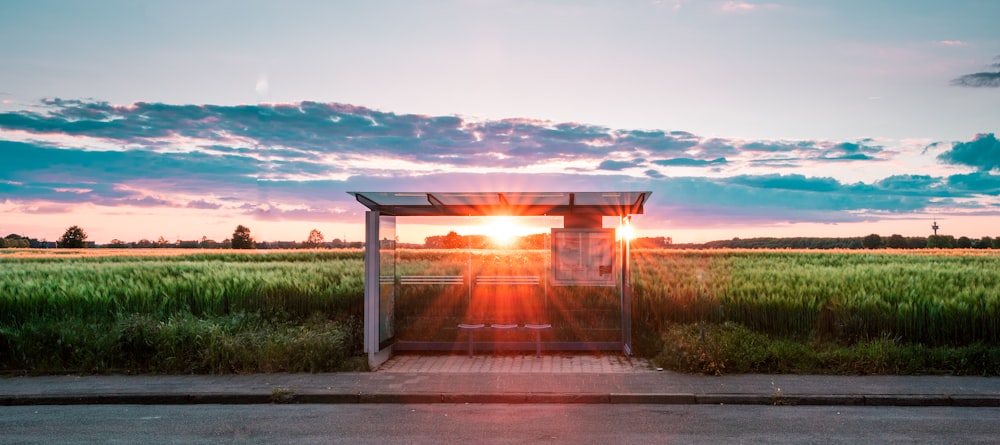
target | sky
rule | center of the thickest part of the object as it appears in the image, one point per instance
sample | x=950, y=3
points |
x=183, y=119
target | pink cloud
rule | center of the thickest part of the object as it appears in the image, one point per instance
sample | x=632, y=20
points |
x=952, y=43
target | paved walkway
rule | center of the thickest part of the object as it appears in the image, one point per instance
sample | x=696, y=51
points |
x=547, y=363
x=505, y=379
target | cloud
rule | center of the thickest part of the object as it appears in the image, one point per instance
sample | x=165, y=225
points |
x=616, y=165
x=688, y=162
x=794, y=153
x=202, y=204
x=295, y=162
x=751, y=199
x=984, y=79
x=978, y=80
x=913, y=185
x=976, y=183
x=736, y=6
x=983, y=153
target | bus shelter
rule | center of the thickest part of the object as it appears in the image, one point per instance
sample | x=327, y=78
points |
x=583, y=264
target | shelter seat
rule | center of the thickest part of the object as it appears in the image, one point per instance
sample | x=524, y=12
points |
x=531, y=280
x=503, y=326
x=470, y=327
x=538, y=336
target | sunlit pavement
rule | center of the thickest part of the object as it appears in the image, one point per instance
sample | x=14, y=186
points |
x=548, y=363
x=498, y=378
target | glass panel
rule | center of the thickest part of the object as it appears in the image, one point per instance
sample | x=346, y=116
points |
x=541, y=199
x=442, y=288
x=387, y=279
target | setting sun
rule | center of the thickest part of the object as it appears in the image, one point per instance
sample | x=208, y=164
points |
x=503, y=230
x=626, y=231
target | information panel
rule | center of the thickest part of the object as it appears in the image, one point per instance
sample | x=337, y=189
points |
x=583, y=257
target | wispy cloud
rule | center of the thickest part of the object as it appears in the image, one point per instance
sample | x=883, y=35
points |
x=742, y=7
x=952, y=43
x=983, y=79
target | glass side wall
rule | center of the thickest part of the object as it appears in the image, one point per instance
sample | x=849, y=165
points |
x=387, y=279
x=440, y=289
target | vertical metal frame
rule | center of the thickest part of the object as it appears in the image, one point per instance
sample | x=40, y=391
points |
x=626, y=291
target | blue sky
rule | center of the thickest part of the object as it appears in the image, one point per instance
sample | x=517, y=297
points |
x=183, y=119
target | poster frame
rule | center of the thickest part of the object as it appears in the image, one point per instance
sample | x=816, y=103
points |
x=583, y=257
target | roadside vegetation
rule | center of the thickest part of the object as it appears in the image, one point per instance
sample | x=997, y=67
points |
x=704, y=311
x=837, y=312
x=195, y=313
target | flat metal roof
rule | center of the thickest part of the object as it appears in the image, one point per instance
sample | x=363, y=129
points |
x=504, y=203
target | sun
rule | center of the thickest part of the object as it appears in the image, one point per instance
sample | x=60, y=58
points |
x=625, y=230
x=503, y=230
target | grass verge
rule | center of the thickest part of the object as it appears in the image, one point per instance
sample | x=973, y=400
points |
x=729, y=348
x=183, y=344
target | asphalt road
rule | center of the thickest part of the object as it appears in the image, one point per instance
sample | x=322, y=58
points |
x=495, y=423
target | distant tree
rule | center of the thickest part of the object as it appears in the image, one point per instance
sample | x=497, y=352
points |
x=984, y=243
x=315, y=238
x=916, y=242
x=940, y=242
x=872, y=241
x=963, y=242
x=13, y=242
x=162, y=242
x=17, y=241
x=117, y=243
x=73, y=238
x=896, y=241
x=453, y=241
x=241, y=238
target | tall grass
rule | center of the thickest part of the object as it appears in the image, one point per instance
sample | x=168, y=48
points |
x=849, y=297
x=204, y=285
x=252, y=312
x=181, y=313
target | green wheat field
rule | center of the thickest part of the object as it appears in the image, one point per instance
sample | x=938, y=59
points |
x=705, y=311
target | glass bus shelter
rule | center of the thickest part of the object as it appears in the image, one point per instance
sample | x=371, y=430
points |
x=575, y=293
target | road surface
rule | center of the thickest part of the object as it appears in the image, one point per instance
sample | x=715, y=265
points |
x=489, y=424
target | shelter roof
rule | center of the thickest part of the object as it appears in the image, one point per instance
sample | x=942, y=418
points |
x=504, y=203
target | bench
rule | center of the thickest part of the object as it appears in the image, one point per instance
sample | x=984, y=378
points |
x=470, y=327
x=531, y=280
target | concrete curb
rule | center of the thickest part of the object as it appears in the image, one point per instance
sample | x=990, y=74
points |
x=290, y=397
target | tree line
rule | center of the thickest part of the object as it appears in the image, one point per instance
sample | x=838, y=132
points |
x=76, y=238
x=872, y=241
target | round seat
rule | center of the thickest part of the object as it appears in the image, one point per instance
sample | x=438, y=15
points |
x=538, y=326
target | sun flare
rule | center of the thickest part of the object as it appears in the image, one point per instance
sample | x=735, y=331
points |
x=626, y=231
x=503, y=230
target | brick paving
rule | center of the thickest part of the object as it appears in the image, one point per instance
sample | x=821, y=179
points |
x=511, y=363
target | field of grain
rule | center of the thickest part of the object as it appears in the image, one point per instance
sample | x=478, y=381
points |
x=177, y=310
x=929, y=297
